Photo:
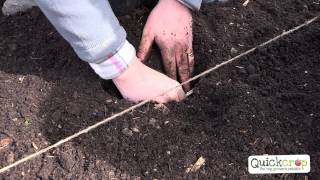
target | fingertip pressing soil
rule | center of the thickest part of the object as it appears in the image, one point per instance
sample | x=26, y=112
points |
x=265, y=103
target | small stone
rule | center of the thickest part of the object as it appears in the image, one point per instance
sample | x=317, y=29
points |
x=166, y=122
x=124, y=176
x=134, y=129
x=127, y=132
x=163, y=108
x=75, y=95
x=109, y=100
x=152, y=121
x=169, y=152
x=59, y=126
x=10, y=157
x=251, y=69
x=98, y=162
x=112, y=174
x=242, y=71
x=94, y=114
x=233, y=50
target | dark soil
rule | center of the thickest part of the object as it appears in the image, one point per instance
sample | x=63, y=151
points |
x=270, y=106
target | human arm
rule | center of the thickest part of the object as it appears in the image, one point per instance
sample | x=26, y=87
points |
x=95, y=34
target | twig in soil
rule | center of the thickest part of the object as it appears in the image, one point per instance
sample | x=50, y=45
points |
x=98, y=124
x=21, y=79
x=255, y=142
x=246, y=3
x=35, y=58
x=194, y=168
x=34, y=146
x=189, y=93
x=51, y=156
x=162, y=108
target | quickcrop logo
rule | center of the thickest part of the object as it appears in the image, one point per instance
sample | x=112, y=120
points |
x=272, y=164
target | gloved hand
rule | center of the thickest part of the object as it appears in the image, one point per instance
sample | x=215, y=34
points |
x=139, y=82
x=170, y=26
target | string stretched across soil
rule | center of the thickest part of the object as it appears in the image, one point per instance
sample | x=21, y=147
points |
x=92, y=127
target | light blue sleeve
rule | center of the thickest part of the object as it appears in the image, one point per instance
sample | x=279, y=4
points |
x=192, y=4
x=196, y=4
x=90, y=27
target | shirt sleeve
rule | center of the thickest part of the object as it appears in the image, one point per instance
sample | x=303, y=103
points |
x=93, y=31
x=196, y=4
x=192, y=4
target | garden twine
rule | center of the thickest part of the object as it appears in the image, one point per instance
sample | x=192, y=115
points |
x=92, y=127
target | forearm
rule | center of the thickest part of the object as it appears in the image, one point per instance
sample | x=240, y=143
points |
x=93, y=31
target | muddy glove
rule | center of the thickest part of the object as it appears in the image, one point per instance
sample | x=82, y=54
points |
x=11, y=7
x=170, y=26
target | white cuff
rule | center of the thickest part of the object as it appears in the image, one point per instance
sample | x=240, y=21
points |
x=115, y=64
